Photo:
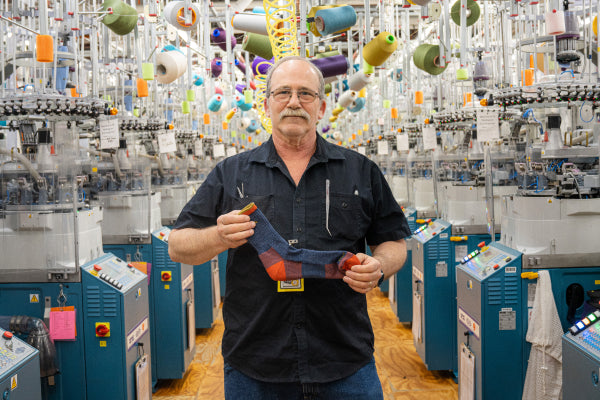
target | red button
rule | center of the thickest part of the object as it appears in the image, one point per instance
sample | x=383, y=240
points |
x=166, y=276
x=102, y=330
x=496, y=266
x=97, y=267
x=480, y=245
x=7, y=335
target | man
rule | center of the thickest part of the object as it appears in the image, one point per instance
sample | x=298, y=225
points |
x=310, y=337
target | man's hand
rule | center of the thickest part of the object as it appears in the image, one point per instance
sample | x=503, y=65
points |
x=364, y=277
x=234, y=228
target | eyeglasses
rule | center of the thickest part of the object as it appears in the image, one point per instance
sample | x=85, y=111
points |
x=284, y=95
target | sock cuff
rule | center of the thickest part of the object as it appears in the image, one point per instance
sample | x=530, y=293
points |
x=249, y=209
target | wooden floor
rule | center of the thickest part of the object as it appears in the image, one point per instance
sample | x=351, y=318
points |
x=402, y=373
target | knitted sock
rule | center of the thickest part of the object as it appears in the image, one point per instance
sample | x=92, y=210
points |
x=284, y=262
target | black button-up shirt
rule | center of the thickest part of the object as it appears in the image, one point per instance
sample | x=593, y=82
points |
x=322, y=333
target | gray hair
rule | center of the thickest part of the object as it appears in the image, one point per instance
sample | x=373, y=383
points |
x=291, y=58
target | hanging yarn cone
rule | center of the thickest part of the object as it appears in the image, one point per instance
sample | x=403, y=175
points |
x=123, y=18
x=218, y=37
x=427, y=58
x=378, y=50
x=170, y=65
x=44, y=48
x=331, y=66
x=335, y=19
x=258, y=45
x=473, y=12
x=481, y=72
x=216, y=67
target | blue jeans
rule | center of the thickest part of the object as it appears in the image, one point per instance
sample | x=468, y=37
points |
x=364, y=384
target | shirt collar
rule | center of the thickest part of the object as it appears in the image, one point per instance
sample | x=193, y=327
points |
x=325, y=151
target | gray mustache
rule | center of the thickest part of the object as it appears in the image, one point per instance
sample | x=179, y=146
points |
x=294, y=113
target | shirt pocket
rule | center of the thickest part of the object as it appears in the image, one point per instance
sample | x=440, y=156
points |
x=265, y=203
x=344, y=219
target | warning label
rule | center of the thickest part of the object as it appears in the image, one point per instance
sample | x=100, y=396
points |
x=13, y=382
x=34, y=298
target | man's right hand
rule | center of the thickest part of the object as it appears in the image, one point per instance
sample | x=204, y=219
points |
x=234, y=228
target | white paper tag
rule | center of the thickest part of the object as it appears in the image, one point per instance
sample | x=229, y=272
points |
x=231, y=151
x=219, y=150
x=166, y=142
x=429, y=141
x=382, y=147
x=109, y=133
x=402, y=142
x=198, y=150
x=362, y=150
x=487, y=126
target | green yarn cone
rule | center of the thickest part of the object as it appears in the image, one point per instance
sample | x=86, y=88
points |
x=123, y=18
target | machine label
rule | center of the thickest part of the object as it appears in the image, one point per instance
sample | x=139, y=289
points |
x=441, y=269
x=418, y=273
x=508, y=320
x=34, y=298
x=13, y=382
x=510, y=270
x=187, y=281
x=468, y=322
x=136, y=333
x=444, y=235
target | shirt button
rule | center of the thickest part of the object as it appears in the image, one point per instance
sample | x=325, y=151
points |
x=299, y=325
x=298, y=200
x=298, y=229
x=344, y=204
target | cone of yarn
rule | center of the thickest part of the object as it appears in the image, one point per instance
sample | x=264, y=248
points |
x=379, y=49
x=358, y=81
x=555, y=22
x=426, y=57
x=347, y=98
x=420, y=2
x=197, y=80
x=180, y=21
x=206, y=119
x=253, y=22
x=335, y=19
x=357, y=105
x=170, y=65
x=394, y=113
x=419, y=97
x=218, y=37
x=190, y=95
x=258, y=45
x=473, y=12
x=148, y=71
x=44, y=48
x=123, y=18
x=240, y=65
x=311, y=16
x=327, y=54
x=467, y=98
x=216, y=67
x=260, y=66
x=185, y=107
x=331, y=66
x=462, y=74
x=595, y=26
x=142, y=87
x=215, y=102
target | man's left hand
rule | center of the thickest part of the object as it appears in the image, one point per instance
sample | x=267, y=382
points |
x=364, y=277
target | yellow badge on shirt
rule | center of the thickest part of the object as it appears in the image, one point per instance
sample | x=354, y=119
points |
x=296, y=285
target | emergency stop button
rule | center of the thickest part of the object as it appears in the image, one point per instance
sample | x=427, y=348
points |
x=166, y=276
x=97, y=267
x=102, y=329
x=7, y=335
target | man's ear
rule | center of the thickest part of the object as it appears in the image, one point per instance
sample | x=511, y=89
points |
x=322, y=108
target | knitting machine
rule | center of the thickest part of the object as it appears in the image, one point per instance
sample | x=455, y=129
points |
x=44, y=206
x=132, y=231
x=20, y=368
x=207, y=278
x=402, y=298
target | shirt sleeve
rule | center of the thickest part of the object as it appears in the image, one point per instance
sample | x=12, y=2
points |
x=204, y=207
x=389, y=222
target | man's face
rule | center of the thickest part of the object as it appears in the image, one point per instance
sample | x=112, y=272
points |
x=295, y=117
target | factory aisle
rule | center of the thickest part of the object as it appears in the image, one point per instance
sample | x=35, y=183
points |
x=402, y=373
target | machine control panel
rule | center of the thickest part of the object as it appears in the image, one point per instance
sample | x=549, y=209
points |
x=430, y=230
x=115, y=272
x=13, y=351
x=588, y=337
x=486, y=260
x=584, y=324
x=163, y=233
